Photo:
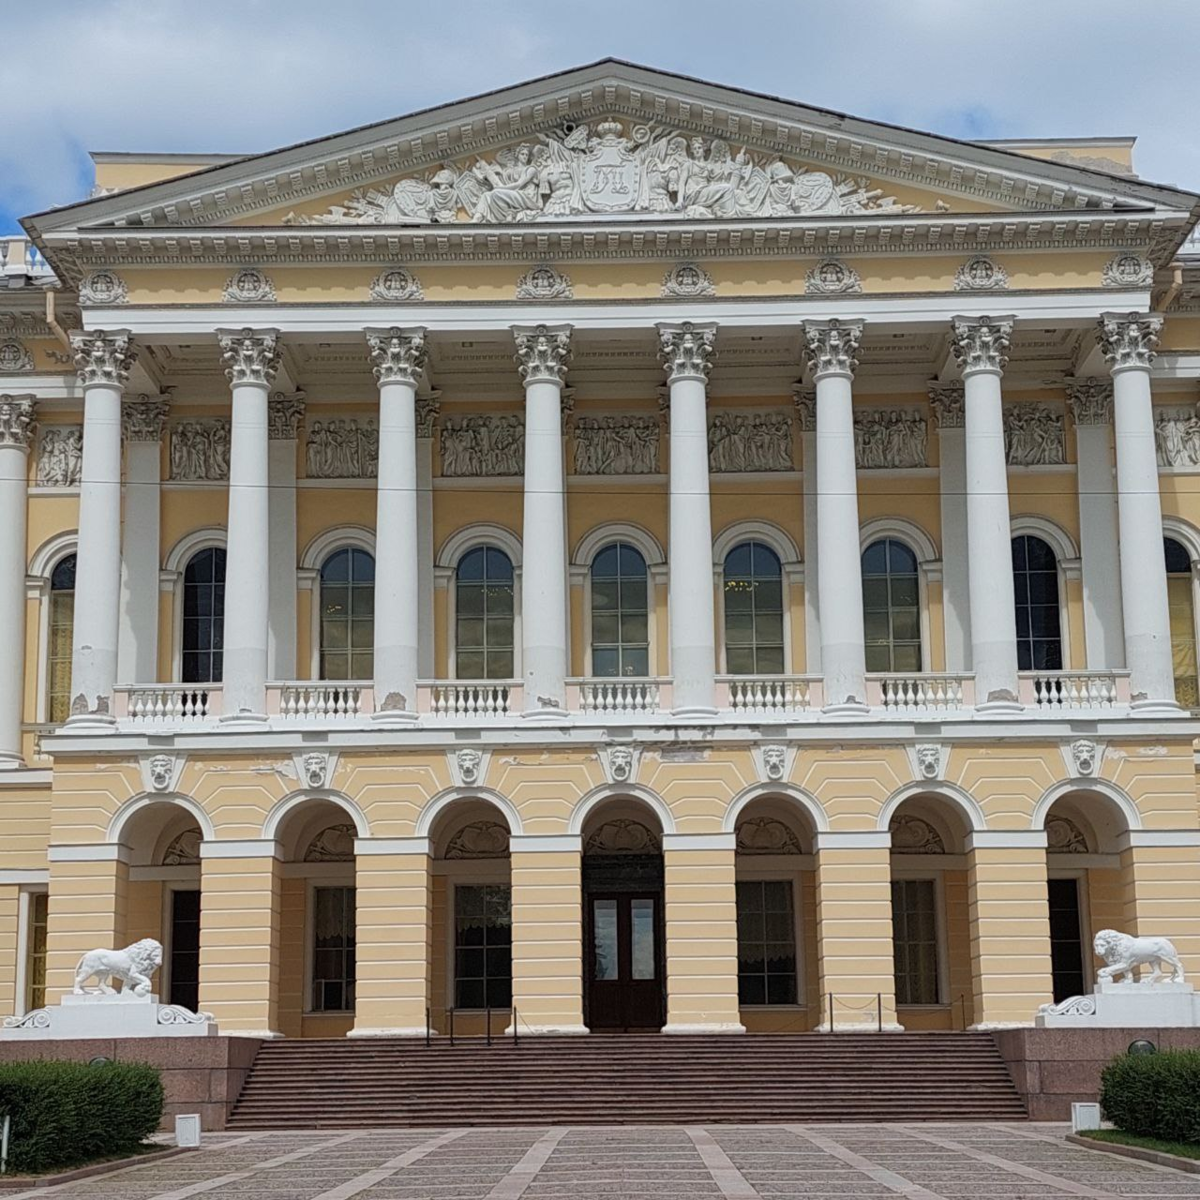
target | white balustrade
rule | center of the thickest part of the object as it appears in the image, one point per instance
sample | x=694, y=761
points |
x=1050, y=690
x=757, y=694
x=333, y=700
x=19, y=256
x=168, y=703
x=918, y=692
x=468, y=699
x=619, y=696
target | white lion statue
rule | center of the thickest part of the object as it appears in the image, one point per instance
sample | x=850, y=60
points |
x=1124, y=954
x=133, y=966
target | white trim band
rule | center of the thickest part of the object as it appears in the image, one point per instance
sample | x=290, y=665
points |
x=368, y=846
x=553, y=843
x=859, y=839
x=14, y=877
x=247, y=848
x=699, y=841
x=1165, y=839
x=1007, y=839
x=102, y=852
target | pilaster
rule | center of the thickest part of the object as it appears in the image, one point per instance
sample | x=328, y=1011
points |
x=946, y=400
x=285, y=415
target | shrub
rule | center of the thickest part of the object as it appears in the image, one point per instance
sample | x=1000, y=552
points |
x=68, y=1113
x=1154, y=1095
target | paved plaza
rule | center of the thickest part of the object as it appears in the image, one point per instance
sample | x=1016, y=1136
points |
x=817, y=1162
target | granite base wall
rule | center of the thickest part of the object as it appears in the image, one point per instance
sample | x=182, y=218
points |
x=1053, y=1068
x=200, y=1075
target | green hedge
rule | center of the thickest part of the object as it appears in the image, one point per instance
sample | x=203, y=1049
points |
x=66, y=1113
x=1154, y=1095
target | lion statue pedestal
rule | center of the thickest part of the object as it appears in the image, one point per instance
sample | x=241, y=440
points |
x=1129, y=1002
x=104, y=1012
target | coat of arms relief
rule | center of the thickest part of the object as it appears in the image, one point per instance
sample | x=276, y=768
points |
x=611, y=171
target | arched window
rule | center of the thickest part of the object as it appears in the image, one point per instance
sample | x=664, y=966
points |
x=483, y=615
x=620, y=613
x=891, y=607
x=203, y=616
x=62, y=634
x=1035, y=583
x=753, y=610
x=347, y=614
x=1183, y=623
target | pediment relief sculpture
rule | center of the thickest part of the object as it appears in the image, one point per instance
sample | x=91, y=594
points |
x=335, y=844
x=396, y=283
x=544, y=283
x=616, y=444
x=890, y=438
x=480, y=839
x=766, y=835
x=613, y=169
x=912, y=835
x=623, y=836
x=60, y=456
x=200, y=449
x=832, y=278
x=483, y=444
x=980, y=274
x=1177, y=437
x=1034, y=436
x=342, y=448
x=750, y=441
x=184, y=849
x=14, y=356
x=1063, y=836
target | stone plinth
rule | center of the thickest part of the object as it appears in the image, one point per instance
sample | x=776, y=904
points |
x=1124, y=1005
x=115, y=1015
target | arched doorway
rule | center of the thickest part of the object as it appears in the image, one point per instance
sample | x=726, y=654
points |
x=624, y=954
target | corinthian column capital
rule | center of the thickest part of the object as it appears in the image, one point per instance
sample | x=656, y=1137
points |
x=946, y=400
x=543, y=352
x=1128, y=339
x=1091, y=400
x=981, y=343
x=831, y=347
x=103, y=358
x=143, y=419
x=397, y=355
x=18, y=420
x=687, y=350
x=250, y=355
x=284, y=414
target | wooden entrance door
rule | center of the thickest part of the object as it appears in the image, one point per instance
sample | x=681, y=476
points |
x=624, y=960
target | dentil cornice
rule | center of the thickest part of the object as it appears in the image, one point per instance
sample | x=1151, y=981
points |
x=946, y=400
x=18, y=420
x=284, y=414
x=1090, y=400
x=1128, y=339
x=144, y=419
x=687, y=351
x=250, y=355
x=397, y=355
x=104, y=358
x=831, y=347
x=543, y=352
x=981, y=344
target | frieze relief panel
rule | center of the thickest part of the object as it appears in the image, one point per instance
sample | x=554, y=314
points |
x=342, y=448
x=1177, y=437
x=1034, y=436
x=890, y=438
x=483, y=445
x=612, y=169
x=617, y=444
x=750, y=441
x=200, y=450
x=60, y=456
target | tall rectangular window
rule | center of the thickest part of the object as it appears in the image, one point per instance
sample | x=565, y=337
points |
x=333, y=949
x=35, y=954
x=914, y=941
x=482, y=946
x=766, y=942
x=185, y=948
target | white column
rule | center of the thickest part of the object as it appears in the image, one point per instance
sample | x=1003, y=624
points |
x=806, y=411
x=398, y=357
x=1128, y=341
x=543, y=352
x=103, y=361
x=947, y=402
x=251, y=360
x=142, y=424
x=832, y=352
x=687, y=353
x=17, y=427
x=981, y=348
x=284, y=415
x=1091, y=412
x=427, y=414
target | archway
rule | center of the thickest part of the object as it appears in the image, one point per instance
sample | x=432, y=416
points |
x=624, y=969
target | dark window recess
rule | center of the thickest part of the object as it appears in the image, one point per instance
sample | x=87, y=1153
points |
x=482, y=946
x=185, y=949
x=1035, y=588
x=203, y=617
x=1066, y=939
x=766, y=942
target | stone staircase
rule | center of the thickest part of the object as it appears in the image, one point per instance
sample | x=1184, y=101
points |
x=627, y=1079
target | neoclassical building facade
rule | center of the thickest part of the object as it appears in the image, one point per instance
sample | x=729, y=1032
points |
x=615, y=553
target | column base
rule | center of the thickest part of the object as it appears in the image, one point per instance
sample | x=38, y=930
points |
x=849, y=708
x=546, y=1031
x=394, y=719
x=704, y=1027
x=1155, y=708
x=10, y=761
x=696, y=712
x=404, y=1031
x=546, y=716
x=999, y=708
x=243, y=720
x=91, y=723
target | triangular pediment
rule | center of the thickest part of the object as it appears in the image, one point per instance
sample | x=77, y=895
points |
x=613, y=142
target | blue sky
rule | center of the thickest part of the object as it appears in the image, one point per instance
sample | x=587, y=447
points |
x=239, y=76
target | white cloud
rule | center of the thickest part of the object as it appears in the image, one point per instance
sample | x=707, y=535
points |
x=245, y=75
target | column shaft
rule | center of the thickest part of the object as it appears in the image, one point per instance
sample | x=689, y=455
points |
x=701, y=930
x=547, y=933
x=806, y=407
x=855, y=958
x=947, y=401
x=1128, y=342
x=16, y=433
x=427, y=410
x=981, y=347
x=543, y=353
x=687, y=352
